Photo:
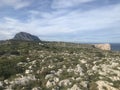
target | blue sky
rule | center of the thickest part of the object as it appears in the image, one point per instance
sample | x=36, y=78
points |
x=62, y=20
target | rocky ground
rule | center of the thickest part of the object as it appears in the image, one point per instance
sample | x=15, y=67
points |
x=49, y=66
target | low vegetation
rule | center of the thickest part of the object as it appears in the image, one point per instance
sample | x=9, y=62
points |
x=26, y=65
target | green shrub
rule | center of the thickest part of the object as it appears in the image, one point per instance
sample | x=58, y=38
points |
x=8, y=67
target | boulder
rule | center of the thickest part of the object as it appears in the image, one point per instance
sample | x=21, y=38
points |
x=102, y=84
x=65, y=82
x=50, y=83
x=103, y=46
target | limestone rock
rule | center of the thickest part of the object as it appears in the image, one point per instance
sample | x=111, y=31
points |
x=28, y=71
x=78, y=70
x=49, y=76
x=102, y=84
x=84, y=83
x=36, y=88
x=56, y=79
x=50, y=83
x=23, y=80
x=65, y=82
x=58, y=73
x=1, y=84
x=103, y=46
x=74, y=87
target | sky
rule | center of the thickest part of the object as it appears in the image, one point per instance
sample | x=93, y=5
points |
x=95, y=21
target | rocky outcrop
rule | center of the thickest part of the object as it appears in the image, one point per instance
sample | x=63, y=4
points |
x=26, y=37
x=104, y=85
x=21, y=80
x=103, y=46
x=65, y=82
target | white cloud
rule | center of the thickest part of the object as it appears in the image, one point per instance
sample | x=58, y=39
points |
x=16, y=4
x=61, y=23
x=5, y=35
x=58, y=4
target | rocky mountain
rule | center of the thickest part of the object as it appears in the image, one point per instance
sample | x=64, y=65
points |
x=26, y=37
x=57, y=66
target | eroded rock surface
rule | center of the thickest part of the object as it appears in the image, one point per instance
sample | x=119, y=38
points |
x=103, y=46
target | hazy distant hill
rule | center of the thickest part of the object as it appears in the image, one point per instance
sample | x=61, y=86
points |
x=25, y=36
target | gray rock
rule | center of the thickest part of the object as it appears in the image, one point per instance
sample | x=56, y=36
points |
x=36, y=88
x=26, y=37
x=65, y=82
x=49, y=76
x=78, y=70
x=50, y=83
x=74, y=87
x=1, y=84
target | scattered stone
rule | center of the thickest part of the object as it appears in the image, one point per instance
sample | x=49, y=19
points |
x=65, y=82
x=36, y=88
x=28, y=71
x=74, y=87
x=84, y=83
x=50, y=83
x=78, y=70
x=1, y=84
x=103, y=84
x=49, y=76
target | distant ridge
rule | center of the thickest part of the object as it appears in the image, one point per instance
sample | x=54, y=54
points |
x=26, y=37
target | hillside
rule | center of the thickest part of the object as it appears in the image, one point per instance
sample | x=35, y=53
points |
x=27, y=65
x=26, y=37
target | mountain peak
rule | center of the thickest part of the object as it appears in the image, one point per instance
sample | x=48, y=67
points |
x=26, y=37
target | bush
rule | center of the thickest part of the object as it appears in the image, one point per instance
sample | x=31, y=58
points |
x=8, y=67
x=2, y=53
x=14, y=53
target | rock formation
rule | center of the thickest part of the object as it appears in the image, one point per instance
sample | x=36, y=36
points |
x=26, y=37
x=103, y=46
